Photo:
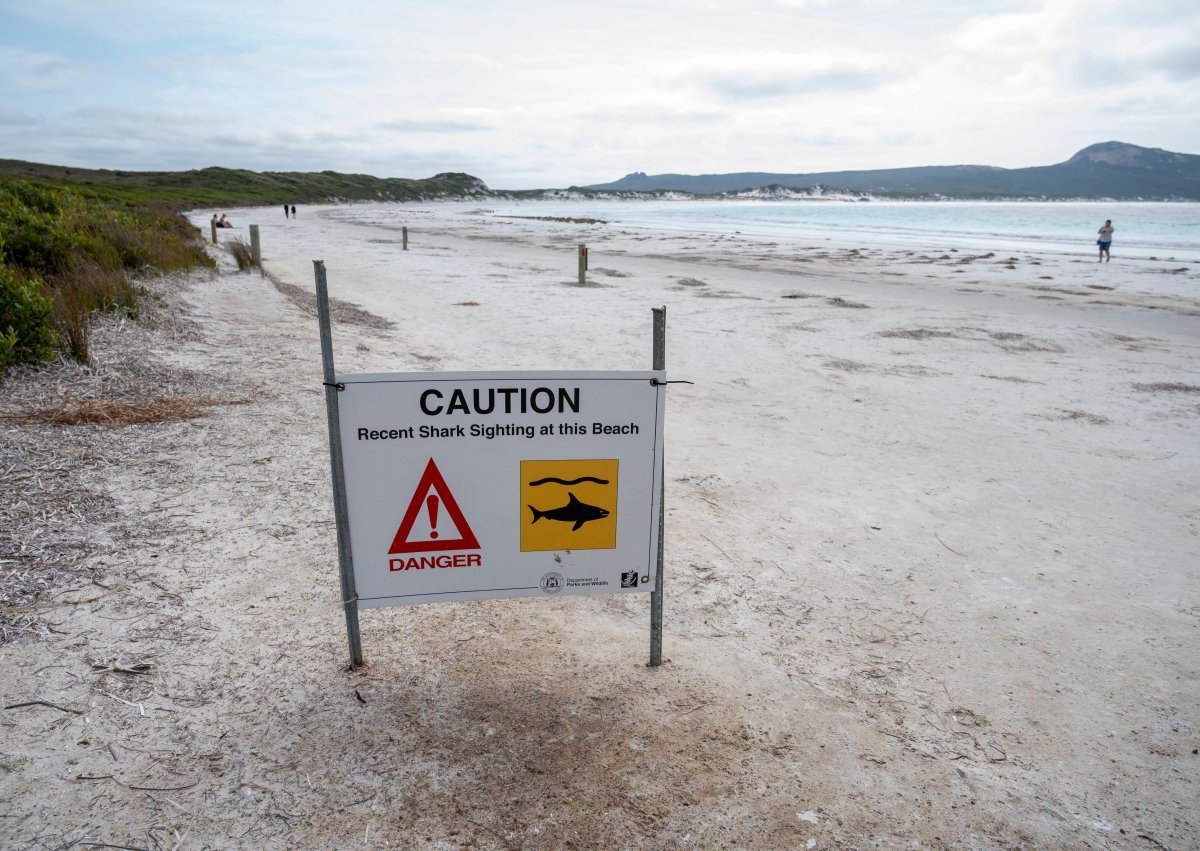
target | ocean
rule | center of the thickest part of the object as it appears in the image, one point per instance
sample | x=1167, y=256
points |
x=1143, y=230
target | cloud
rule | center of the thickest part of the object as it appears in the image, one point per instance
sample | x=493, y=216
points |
x=568, y=91
x=763, y=76
x=785, y=84
x=13, y=118
x=1180, y=63
x=407, y=125
x=32, y=69
x=651, y=113
x=823, y=140
x=1174, y=64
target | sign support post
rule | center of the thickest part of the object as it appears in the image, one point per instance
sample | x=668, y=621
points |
x=256, y=248
x=340, y=509
x=656, y=596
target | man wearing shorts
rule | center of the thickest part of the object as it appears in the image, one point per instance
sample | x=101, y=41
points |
x=1105, y=241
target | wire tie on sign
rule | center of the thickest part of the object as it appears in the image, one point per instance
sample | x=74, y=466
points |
x=654, y=382
x=340, y=385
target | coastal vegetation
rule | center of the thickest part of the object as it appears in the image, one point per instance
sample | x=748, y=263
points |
x=65, y=256
x=72, y=241
x=224, y=187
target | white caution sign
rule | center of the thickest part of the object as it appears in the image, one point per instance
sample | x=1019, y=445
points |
x=468, y=486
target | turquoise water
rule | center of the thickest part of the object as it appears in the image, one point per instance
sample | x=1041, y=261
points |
x=1142, y=229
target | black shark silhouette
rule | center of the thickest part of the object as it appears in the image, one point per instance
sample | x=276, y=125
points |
x=573, y=512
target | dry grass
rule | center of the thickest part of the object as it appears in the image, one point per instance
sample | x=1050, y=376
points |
x=339, y=311
x=70, y=317
x=1167, y=387
x=564, y=219
x=917, y=334
x=1013, y=378
x=111, y=412
x=242, y=254
x=846, y=365
x=838, y=301
x=1068, y=414
x=1012, y=341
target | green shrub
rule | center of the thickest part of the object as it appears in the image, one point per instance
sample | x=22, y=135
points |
x=25, y=334
x=66, y=256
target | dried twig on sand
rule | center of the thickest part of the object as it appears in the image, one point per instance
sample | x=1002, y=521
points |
x=45, y=703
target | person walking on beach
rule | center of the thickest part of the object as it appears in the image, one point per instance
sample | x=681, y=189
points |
x=285, y=214
x=293, y=211
x=1105, y=241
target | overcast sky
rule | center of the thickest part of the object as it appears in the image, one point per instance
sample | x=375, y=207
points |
x=551, y=93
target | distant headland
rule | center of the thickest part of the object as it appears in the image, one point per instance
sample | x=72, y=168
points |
x=1113, y=170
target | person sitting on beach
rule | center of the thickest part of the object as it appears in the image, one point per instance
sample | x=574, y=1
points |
x=224, y=223
x=215, y=223
x=1105, y=241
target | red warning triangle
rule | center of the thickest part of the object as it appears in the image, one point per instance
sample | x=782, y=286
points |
x=430, y=490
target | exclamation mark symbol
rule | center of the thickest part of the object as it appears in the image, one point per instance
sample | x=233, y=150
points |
x=431, y=503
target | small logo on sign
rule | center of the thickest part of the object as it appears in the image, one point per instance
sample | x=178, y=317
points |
x=552, y=583
x=629, y=579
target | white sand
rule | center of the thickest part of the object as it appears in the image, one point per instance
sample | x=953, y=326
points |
x=932, y=562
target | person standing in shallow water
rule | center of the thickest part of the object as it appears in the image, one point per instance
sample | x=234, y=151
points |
x=1105, y=241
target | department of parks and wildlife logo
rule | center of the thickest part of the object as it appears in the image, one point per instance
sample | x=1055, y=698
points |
x=552, y=583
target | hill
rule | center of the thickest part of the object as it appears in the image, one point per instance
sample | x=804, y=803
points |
x=1113, y=170
x=1105, y=170
x=223, y=187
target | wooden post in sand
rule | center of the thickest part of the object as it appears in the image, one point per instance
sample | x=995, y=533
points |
x=256, y=248
x=659, y=360
x=341, y=510
x=213, y=227
x=404, y=237
x=582, y=264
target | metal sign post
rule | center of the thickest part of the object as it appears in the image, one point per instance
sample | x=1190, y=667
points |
x=340, y=510
x=656, y=596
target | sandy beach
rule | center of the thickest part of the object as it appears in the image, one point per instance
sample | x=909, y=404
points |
x=932, y=558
